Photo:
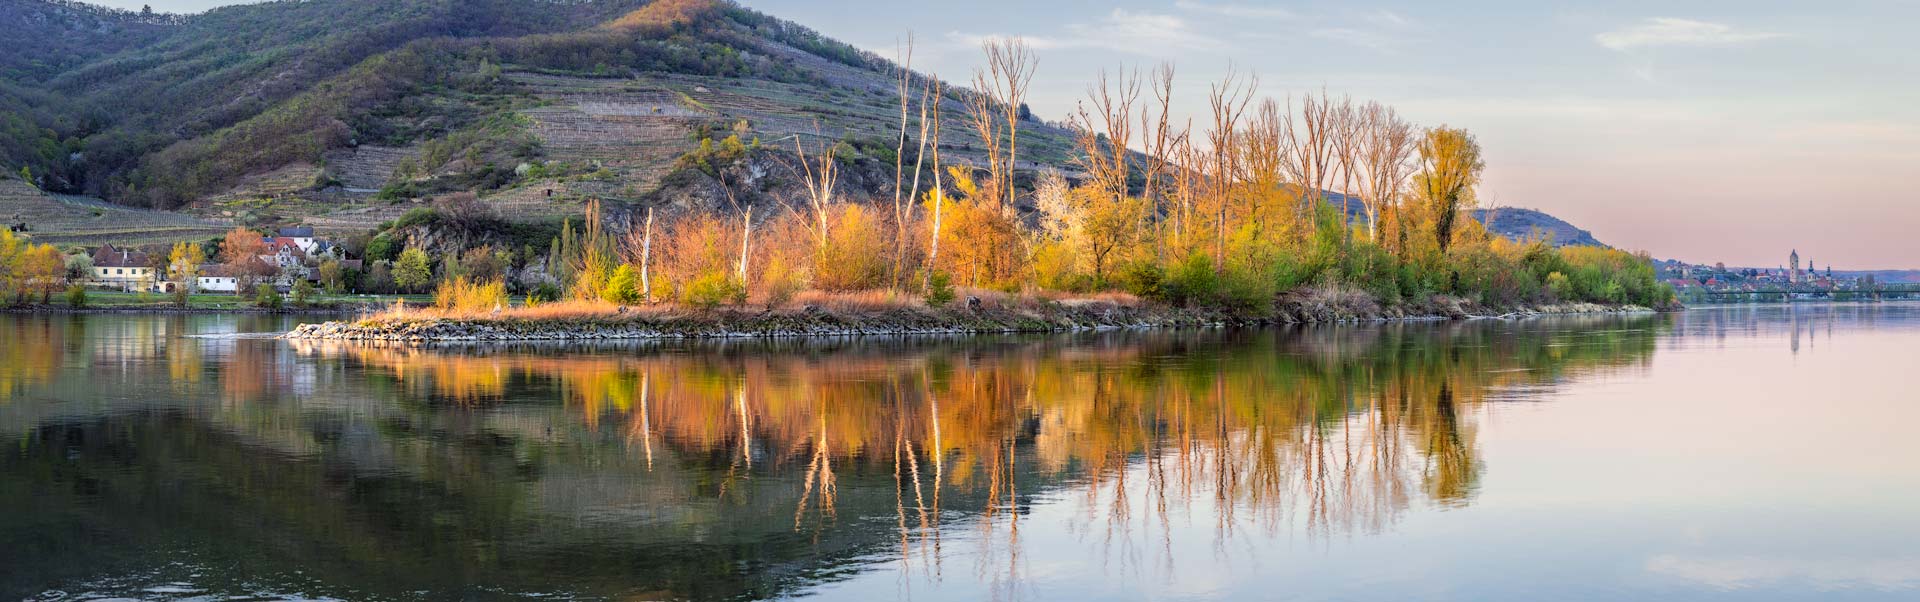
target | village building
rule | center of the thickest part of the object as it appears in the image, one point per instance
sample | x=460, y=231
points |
x=123, y=269
x=217, y=279
x=301, y=237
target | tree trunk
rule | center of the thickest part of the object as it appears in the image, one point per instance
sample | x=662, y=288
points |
x=746, y=235
x=646, y=259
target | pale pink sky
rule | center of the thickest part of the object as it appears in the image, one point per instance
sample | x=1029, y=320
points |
x=1704, y=131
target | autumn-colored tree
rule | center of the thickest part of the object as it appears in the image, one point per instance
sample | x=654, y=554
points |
x=184, y=261
x=982, y=241
x=1450, y=166
x=240, y=253
x=41, y=268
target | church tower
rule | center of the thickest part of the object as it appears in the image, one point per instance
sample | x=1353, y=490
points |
x=1793, y=263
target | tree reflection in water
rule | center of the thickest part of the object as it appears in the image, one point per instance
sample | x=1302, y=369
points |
x=663, y=461
x=1326, y=430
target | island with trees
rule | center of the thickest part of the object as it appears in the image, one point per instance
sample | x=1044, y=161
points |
x=1312, y=208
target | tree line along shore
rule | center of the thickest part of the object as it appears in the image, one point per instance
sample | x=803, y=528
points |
x=1311, y=207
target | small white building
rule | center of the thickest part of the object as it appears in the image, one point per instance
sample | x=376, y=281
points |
x=216, y=280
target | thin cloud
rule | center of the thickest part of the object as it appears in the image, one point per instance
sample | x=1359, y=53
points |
x=1387, y=18
x=1235, y=10
x=1122, y=30
x=1358, y=37
x=1669, y=31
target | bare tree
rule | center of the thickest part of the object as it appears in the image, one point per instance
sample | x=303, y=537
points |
x=1345, y=131
x=999, y=93
x=1159, y=140
x=820, y=184
x=1228, y=102
x=1186, y=181
x=1106, y=130
x=900, y=208
x=1387, y=150
x=1263, y=146
x=746, y=237
x=646, y=258
x=939, y=186
x=1309, y=159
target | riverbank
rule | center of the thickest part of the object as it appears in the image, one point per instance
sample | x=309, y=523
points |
x=970, y=316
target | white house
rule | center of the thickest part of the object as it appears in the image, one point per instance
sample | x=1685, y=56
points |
x=301, y=237
x=216, y=279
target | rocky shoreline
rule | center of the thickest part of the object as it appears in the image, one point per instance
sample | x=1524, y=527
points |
x=817, y=322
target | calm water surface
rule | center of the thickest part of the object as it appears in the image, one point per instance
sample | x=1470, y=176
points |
x=1751, y=454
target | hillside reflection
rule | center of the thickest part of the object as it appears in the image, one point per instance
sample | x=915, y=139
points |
x=746, y=469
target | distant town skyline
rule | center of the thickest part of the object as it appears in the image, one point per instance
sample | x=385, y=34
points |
x=1701, y=131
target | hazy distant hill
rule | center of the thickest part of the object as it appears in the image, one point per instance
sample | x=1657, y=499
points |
x=1528, y=224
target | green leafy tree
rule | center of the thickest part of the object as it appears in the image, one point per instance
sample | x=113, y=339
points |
x=381, y=248
x=333, y=276
x=413, y=271
x=302, y=292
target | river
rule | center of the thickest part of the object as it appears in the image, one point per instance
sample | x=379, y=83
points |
x=1744, y=453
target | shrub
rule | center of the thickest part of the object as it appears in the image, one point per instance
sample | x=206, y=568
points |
x=546, y=292
x=713, y=289
x=302, y=292
x=76, y=296
x=1192, y=281
x=939, y=289
x=1142, y=278
x=1560, y=287
x=265, y=296
x=623, y=287
x=782, y=281
x=854, y=257
x=180, y=297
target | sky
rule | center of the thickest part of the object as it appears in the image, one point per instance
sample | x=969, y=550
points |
x=1731, y=131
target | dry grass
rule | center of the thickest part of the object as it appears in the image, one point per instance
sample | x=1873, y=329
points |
x=855, y=301
x=461, y=295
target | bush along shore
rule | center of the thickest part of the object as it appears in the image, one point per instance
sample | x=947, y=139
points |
x=969, y=316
